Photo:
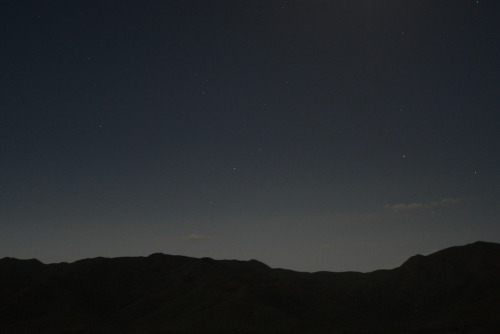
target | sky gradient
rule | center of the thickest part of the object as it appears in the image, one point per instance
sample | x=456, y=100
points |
x=310, y=135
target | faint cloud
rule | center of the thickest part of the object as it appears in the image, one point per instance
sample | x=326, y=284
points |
x=396, y=208
x=449, y=201
x=404, y=207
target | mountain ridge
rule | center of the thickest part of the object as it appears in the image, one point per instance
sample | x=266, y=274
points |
x=451, y=290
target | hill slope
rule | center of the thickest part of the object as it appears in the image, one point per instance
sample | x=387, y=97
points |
x=450, y=291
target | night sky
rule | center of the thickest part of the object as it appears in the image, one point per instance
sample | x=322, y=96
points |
x=310, y=135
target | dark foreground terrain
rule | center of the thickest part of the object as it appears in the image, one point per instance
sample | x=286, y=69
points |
x=456, y=290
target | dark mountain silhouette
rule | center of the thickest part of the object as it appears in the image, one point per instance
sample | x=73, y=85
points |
x=456, y=290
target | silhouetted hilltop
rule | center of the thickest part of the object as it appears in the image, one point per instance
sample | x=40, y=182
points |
x=473, y=257
x=455, y=290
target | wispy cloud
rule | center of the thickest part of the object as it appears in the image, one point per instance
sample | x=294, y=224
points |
x=404, y=207
x=418, y=206
x=449, y=201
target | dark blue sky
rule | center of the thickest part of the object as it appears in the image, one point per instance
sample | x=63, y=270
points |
x=311, y=135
